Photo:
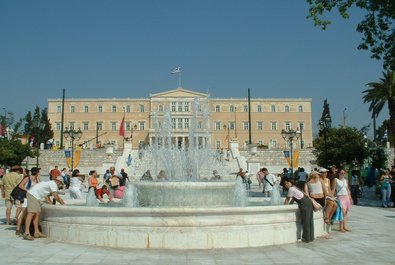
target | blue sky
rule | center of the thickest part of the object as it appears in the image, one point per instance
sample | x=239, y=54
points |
x=116, y=49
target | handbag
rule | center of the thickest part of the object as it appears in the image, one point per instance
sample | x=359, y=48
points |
x=18, y=194
x=316, y=205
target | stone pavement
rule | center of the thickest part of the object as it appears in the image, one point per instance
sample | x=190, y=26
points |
x=370, y=242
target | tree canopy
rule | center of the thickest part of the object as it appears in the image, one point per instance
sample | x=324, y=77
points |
x=377, y=27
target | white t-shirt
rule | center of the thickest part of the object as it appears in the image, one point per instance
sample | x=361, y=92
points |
x=43, y=189
x=269, y=178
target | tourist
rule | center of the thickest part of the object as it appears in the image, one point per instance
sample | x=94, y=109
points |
x=302, y=177
x=340, y=186
x=118, y=193
x=93, y=182
x=161, y=176
x=54, y=173
x=75, y=188
x=10, y=181
x=100, y=193
x=106, y=177
x=305, y=207
x=147, y=176
x=330, y=200
x=314, y=188
x=114, y=179
x=124, y=177
x=28, y=182
x=355, y=185
x=66, y=177
x=216, y=176
x=34, y=197
x=385, y=182
x=259, y=177
x=268, y=182
x=392, y=173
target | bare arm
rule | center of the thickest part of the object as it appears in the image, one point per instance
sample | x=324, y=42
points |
x=57, y=198
x=22, y=185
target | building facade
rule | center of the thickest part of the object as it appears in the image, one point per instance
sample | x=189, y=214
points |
x=216, y=121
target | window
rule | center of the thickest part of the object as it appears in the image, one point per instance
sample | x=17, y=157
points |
x=71, y=125
x=218, y=144
x=300, y=108
x=127, y=126
x=301, y=125
x=286, y=109
x=179, y=123
x=246, y=125
x=142, y=125
x=186, y=106
x=186, y=123
x=259, y=108
x=200, y=125
x=173, y=123
x=100, y=108
x=113, y=108
x=85, y=125
x=58, y=108
x=273, y=143
x=273, y=125
x=127, y=108
x=58, y=126
x=260, y=142
x=287, y=125
x=217, y=125
x=232, y=125
x=217, y=108
x=86, y=108
x=113, y=126
x=259, y=125
x=232, y=108
x=72, y=108
x=99, y=126
x=173, y=107
x=245, y=108
x=141, y=108
x=273, y=108
x=179, y=106
x=160, y=108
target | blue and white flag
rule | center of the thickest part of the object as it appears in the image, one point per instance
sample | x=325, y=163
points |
x=176, y=70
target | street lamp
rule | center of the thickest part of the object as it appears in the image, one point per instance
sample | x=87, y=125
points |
x=73, y=135
x=290, y=135
x=38, y=126
x=324, y=125
x=226, y=127
x=235, y=124
x=133, y=128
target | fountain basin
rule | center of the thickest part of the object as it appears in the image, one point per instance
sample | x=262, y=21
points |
x=175, y=228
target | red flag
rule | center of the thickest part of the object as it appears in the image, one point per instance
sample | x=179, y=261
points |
x=122, y=128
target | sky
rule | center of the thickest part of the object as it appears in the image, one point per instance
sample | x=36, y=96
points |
x=127, y=49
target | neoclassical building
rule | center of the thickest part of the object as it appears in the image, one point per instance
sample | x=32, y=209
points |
x=223, y=118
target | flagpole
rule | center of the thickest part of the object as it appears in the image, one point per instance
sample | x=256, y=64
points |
x=123, y=125
x=179, y=77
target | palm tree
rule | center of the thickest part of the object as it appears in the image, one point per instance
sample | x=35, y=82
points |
x=380, y=93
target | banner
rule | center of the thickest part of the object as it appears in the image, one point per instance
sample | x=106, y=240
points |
x=287, y=157
x=122, y=127
x=76, y=158
x=296, y=159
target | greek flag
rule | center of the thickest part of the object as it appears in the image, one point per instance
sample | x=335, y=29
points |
x=176, y=70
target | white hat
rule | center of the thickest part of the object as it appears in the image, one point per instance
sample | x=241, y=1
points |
x=323, y=170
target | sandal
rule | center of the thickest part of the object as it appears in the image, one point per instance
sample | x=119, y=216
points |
x=327, y=221
x=28, y=237
x=39, y=235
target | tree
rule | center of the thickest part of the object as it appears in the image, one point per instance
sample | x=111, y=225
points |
x=325, y=119
x=377, y=27
x=13, y=152
x=344, y=146
x=381, y=93
x=38, y=126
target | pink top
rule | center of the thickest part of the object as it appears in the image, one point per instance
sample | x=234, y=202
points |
x=293, y=192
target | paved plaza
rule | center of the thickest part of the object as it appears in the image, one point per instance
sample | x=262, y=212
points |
x=370, y=242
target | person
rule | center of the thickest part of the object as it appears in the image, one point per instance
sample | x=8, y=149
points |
x=161, y=176
x=75, y=188
x=241, y=174
x=147, y=176
x=114, y=179
x=100, y=193
x=118, y=193
x=284, y=175
x=106, y=177
x=268, y=182
x=34, y=197
x=54, y=173
x=355, y=184
x=330, y=200
x=27, y=182
x=215, y=176
x=259, y=177
x=66, y=177
x=385, y=182
x=305, y=207
x=314, y=188
x=340, y=186
x=124, y=177
x=302, y=177
x=10, y=181
x=392, y=173
x=93, y=181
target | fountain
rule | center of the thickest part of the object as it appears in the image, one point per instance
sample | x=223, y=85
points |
x=185, y=212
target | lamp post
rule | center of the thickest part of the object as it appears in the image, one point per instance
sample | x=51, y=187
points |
x=235, y=124
x=132, y=128
x=38, y=126
x=226, y=127
x=73, y=135
x=290, y=135
x=324, y=125
x=5, y=123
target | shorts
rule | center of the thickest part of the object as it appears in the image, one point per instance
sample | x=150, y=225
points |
x=9, y=203
x=33, y=205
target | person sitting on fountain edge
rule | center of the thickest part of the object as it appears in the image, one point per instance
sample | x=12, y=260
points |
x=147, y=176
x=161, y=176
x=215, y=176
x=101, y=191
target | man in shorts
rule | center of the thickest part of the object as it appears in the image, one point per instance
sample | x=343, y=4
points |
x=34, y=197
x=10, y=181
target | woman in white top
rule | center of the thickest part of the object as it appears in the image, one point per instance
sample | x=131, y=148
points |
x=314, y=188
x=75, y=188
x=343, y=194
